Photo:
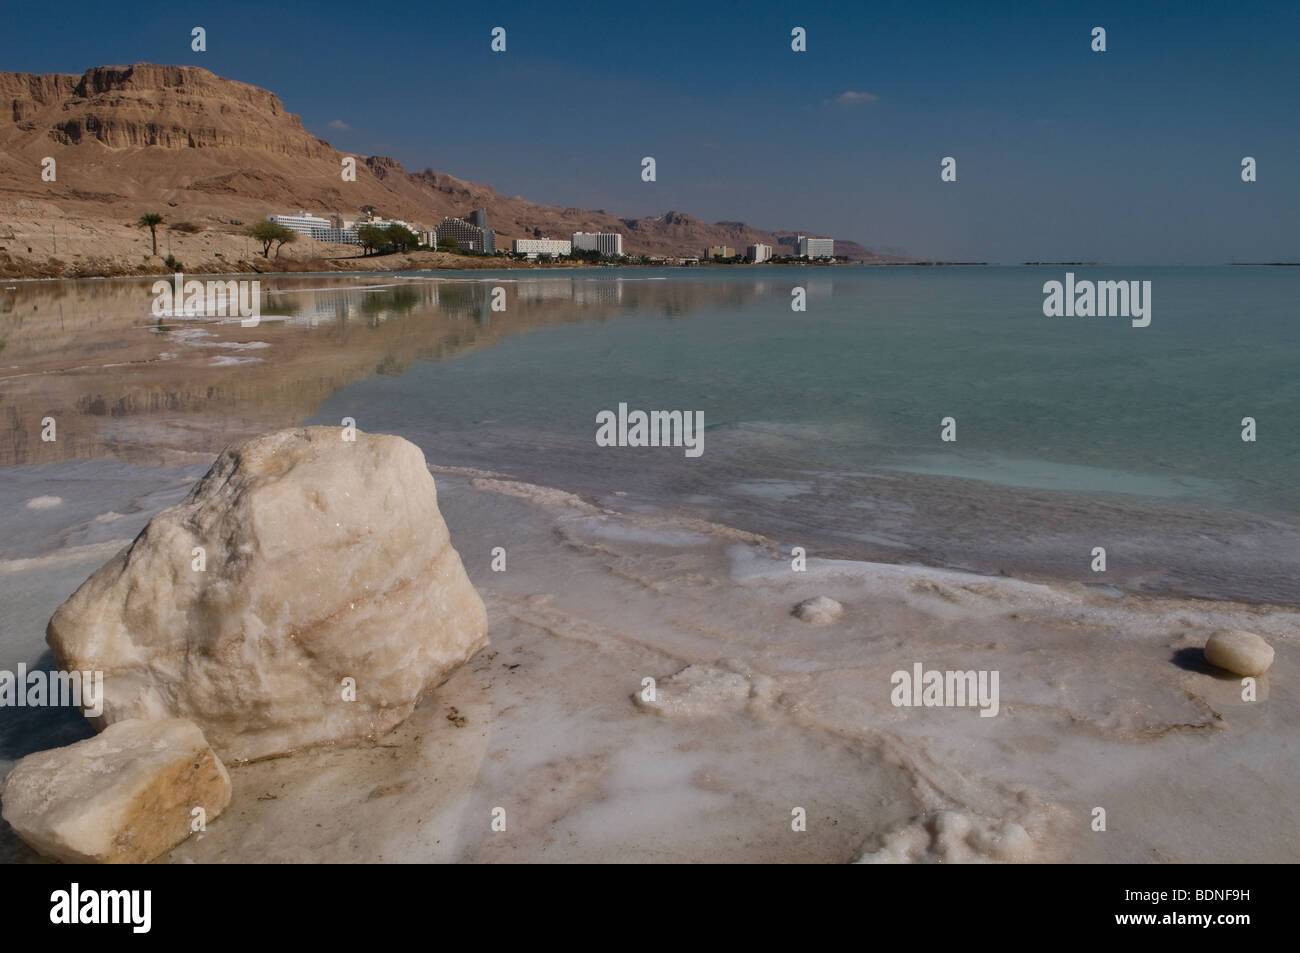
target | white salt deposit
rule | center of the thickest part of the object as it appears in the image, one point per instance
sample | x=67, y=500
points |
x=819, y=610
x=1104, y=702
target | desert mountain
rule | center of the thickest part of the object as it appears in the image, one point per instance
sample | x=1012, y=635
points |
x=216, y=153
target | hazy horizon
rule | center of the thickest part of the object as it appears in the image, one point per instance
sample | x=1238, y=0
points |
x=1131, y=156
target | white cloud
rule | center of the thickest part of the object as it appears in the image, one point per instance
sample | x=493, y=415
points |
x=341, y=125
x=852, y=97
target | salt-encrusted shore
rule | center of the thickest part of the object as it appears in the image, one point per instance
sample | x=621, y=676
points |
x=1105, y=702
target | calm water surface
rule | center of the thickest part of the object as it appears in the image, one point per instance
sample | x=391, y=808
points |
x=823, y=426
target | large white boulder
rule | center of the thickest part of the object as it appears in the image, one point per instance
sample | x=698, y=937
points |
x=127, y=795
x=305, y=591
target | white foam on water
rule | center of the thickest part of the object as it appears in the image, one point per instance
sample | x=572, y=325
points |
x=67, y=556
x=780, y=490
x=233, y=345
x=601, y=528
x=347, y=288
x=1050, y=475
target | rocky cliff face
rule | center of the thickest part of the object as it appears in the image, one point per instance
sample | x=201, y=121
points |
x=132, y=139
x=168, y=107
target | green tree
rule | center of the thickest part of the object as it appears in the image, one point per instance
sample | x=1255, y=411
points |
x=268, y=233
x=402, y=239
x=287, y=239
x=151, y=221
x=373, y=238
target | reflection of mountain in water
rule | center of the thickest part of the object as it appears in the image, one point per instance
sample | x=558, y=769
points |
x=119, y=381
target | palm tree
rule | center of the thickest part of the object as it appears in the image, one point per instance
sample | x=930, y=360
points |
x=151, y=221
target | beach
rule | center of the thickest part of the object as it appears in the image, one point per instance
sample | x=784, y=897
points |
x=822, y=474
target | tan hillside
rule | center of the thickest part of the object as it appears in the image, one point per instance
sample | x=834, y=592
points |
x=214, y=153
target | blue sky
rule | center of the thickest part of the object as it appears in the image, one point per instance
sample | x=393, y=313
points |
x=1128, y=156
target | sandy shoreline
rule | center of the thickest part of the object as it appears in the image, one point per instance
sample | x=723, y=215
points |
x=1105, y=702
x=422, y=261
x=45, y=245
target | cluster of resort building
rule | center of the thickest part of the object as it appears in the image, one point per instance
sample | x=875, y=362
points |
x=757, y=254
x=471, y=234
x=608, y=244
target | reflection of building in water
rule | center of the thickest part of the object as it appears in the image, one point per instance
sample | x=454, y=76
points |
x=820, y=287
x=312, y=308
x=324, y=306
x=471, y=300
x=544, y=289
x=321, y=307
x=597, y=292
x=321, y=334
x=577, y=290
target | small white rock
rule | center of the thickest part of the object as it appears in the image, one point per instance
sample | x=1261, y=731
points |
x=1244, y=653
x=126, y=795
x=695, y=691
x=819, y=610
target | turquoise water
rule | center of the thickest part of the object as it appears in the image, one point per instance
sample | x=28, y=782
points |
x=822, y=427
x=882, y=355
x=826, y=424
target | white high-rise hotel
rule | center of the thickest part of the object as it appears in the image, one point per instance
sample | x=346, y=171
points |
x=607, y=243
x=816, y=247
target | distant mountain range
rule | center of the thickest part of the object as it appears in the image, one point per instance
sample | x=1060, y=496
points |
x=185, y=142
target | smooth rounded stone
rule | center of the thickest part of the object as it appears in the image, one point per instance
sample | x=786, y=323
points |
x=819, y=610
x=125, y=796
x=697, y=690
x=1235, y=650
x=325, y=559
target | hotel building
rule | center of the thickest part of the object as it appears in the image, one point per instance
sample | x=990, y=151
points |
x=545, y=247
x=321, y=229
x=469, y=236
x=607, y=243
x=816, y=247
